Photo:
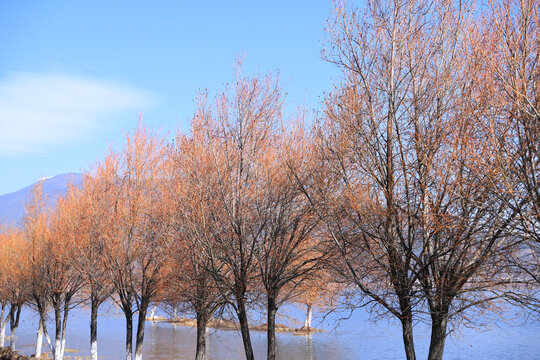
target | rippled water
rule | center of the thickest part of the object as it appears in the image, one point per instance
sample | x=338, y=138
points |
x=355, y=338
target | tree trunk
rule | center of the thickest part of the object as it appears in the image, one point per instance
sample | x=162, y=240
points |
x=12, y=337
x=153, y=312
x=129, y=333
x=64, y=325
x=307, y=321
x=14, y=317
x=408, y=340
x=3, y=323
x=93, y=328
x=58, y=334
x=175, y=311
x=271, y=328
x=46, y=333
x=438, y=336
x=43, y=327
x=140, y=331
x=39, y=341
x=244, y=329
x=202, y=321
x=2, y=334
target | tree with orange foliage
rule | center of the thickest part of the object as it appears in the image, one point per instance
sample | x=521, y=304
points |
x=3, y=284
x=135, y=250
x=403, y=173
x=93, y=216
x=362, y=178
x=237, y=130
x=511, y=39
x=288, y=252
x=14, y=280
x=4, y=279
x=36, y=233
x=189, y=193
x=60, y=276
x=317, y=290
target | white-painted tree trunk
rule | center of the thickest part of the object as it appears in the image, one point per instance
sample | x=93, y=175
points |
x=307, y=322
x=39, y=341
x=138, y=356
x=58, y=349
x=62, y=346
x=3, y=324
x=49, y=342
x=3, y=334
x=93, y=350
x=153, y=312
x=12, y=338
x=175, y=312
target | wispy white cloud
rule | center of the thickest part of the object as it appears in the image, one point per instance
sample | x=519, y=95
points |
x=38, y=111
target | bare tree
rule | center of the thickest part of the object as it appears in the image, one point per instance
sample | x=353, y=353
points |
x=61, y=279
x=384, y=53
x=404, y=178
x=15, y=280
x=4, y=279
x=94, y=217
x=188, y=279
x=237, y=133
x=288, y=252
x=134, y=253
x=511, y=77
x=36, y=231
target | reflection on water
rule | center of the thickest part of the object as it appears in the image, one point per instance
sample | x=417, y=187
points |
x=355, y=338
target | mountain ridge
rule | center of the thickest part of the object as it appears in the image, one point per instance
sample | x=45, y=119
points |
x=12, y=204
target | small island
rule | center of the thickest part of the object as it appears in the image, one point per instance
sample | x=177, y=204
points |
x=232, y=325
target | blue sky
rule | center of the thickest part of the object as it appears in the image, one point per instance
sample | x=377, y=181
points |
x=75, y=75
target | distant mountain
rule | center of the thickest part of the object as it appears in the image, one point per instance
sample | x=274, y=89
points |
x=12, y=204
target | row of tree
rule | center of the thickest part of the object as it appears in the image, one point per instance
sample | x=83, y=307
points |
x=416, y=192
x=210, y=220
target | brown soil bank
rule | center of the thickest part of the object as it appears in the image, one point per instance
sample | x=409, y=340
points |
x=8, y=354
x=231, y=325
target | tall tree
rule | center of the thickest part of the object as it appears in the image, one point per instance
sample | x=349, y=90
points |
x=383, y=52
x=94, y=217
x=188, y=277
x=61, y=279
x=237, y=129
x=511, y=39
x=15, y=280
x=402, y=170
x=36, y=232
x=134, y=253
x=288, y=251
x=4, y=278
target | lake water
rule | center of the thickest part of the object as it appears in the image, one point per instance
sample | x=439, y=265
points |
x=354, y=338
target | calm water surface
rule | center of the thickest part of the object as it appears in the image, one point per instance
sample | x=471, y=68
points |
x=355, y=338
